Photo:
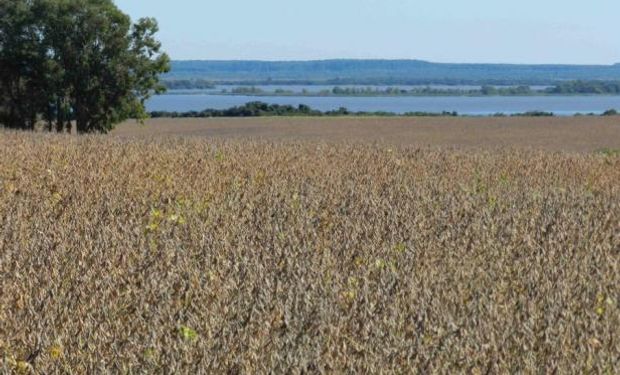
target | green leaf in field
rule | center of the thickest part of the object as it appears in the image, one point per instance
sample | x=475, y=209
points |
x=400, y=248
x=188, y=333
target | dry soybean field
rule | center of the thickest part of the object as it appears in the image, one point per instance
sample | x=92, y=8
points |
x=135, y=254
x=583, y=134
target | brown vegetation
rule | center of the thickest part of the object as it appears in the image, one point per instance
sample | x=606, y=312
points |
x=547, y=133
x=189, y=256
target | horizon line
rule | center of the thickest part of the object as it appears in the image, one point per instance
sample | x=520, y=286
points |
x=388, y=60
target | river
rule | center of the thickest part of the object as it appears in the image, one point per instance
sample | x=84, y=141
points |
x=182, y=101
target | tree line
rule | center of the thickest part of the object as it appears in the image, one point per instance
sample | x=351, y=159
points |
x=260, y=109
x=188, y=84
x=564, y=88
x=80, y=61
x=586, y=87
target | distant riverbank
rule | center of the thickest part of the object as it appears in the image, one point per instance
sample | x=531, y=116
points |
x=260, y=109
x=399, y=105
x=561, y=89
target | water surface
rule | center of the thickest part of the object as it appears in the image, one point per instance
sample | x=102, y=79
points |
x=486, y=105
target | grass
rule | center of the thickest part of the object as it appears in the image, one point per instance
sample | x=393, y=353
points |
x=194, y=255
x=610, y=151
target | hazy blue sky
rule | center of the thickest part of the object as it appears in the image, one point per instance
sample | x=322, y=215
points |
x=517, y=31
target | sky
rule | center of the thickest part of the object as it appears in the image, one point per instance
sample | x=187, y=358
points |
x=476, y=31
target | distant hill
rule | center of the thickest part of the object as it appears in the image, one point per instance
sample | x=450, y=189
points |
x=387, y=72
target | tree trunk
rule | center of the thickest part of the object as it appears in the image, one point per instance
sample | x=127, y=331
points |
x=81, y=118
x=59, y=115
x=50, y=118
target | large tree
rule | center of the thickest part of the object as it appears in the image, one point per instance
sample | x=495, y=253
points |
x=21, y=65
x=83, y=61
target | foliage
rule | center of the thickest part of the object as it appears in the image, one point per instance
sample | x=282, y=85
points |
x=188, y=84
x=21, y=65
x=564, y=88
x=81, y=60
x=389, y=91
x=251, y=90
x=610, y=152
x=586, y=87
x=258, y=109
x=305, y=257
x=535, y=114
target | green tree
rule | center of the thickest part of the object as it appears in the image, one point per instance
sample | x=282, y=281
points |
x=21, y=65
x=488, y=90
x=87, y=60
